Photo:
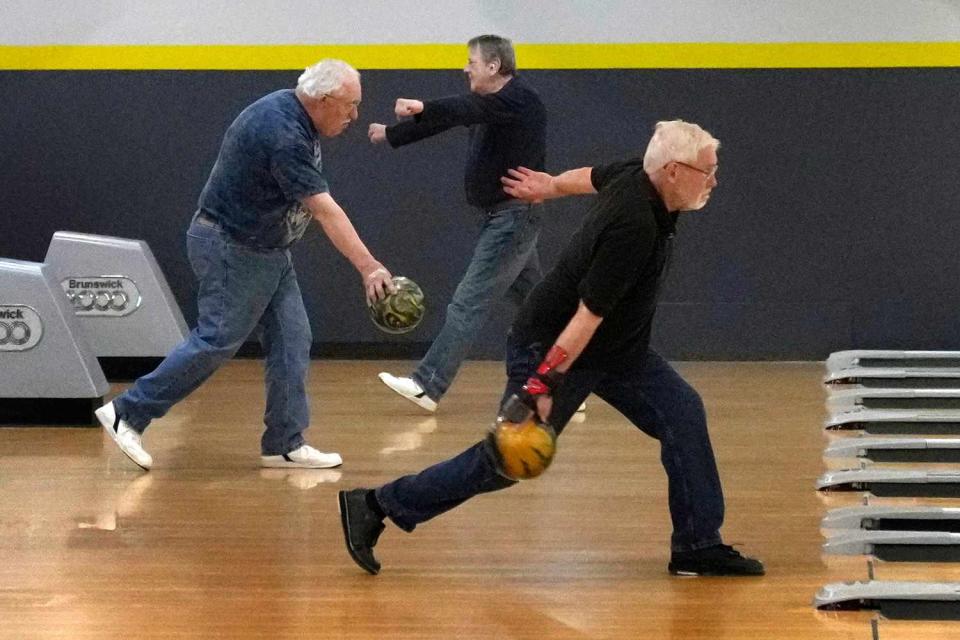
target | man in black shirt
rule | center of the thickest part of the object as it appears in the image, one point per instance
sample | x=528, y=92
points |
x=507, y=123
x=586, y=328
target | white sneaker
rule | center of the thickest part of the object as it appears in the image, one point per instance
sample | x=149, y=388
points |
x=409, y=389
x=124, y=435
x=583, y=407
x=306, y=457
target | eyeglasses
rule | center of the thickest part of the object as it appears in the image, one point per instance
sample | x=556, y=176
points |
x=354, y=104
x=707, y=174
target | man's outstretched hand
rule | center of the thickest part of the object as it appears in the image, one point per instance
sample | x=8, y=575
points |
x=528, y=185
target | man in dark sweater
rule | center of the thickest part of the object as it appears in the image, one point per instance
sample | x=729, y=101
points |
x=586, y=328
x=507, y=123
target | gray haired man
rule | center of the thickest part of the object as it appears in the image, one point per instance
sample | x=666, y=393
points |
x=507, y=123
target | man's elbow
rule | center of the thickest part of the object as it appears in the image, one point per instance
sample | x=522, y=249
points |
x=588, y=315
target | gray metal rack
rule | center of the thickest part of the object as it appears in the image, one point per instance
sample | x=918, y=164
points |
x=896, y=377
x=895, y=600
x=895, y=449
x=893, y=482
x=896, y=421
x=868, y=398
x=891, y=358
x=896, y=546
x=893, y=518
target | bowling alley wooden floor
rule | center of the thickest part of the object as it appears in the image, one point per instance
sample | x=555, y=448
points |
x=208, y=545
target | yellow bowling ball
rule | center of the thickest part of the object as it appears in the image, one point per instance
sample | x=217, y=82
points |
x=523, y=450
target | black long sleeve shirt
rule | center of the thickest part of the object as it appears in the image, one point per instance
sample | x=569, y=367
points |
x=615, y=264
x=507, y=129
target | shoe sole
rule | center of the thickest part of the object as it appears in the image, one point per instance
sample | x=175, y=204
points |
x=412, y=399
x=685, y=574
x=342, y=508
x=713, y=574
x=283, y=464
x=108, y=428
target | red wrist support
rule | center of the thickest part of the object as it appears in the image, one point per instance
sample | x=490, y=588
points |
x=555, y=356
x=546, y=377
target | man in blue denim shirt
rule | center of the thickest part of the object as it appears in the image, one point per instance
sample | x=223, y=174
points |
x=507, y=123
x=586, y=328
x=266, y=186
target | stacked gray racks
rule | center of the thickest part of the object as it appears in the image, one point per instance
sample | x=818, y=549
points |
x=887, y=402
x=97, y=309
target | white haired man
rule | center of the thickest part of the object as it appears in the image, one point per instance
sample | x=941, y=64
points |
x=264, y=189
x=586, y=328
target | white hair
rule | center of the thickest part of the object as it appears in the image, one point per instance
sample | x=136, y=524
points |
x=676, y=140
x=325, y=76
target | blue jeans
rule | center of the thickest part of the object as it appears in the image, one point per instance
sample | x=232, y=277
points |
x=240, y=288
x=505, y=263
x=652, y=396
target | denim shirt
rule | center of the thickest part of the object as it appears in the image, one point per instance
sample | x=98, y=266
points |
x=269, y=160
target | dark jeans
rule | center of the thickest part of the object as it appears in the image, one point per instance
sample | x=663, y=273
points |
x=241, y=288
x=652, y=396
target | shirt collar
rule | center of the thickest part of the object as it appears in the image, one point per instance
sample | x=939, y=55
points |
x=305, y=115
x=666, y=221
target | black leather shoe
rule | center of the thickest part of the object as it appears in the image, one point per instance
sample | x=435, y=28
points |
x=718, y=560
x=361, y=528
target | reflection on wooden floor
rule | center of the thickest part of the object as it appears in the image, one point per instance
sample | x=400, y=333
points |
x=208, y=545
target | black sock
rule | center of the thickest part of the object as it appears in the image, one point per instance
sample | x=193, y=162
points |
x=371, y=499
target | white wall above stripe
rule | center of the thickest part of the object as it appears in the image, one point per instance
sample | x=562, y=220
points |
x=46, y=22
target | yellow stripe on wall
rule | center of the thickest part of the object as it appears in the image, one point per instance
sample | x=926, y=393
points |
x=793, y=55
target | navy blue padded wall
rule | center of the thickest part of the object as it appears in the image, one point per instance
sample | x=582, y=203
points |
x=834, y=224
